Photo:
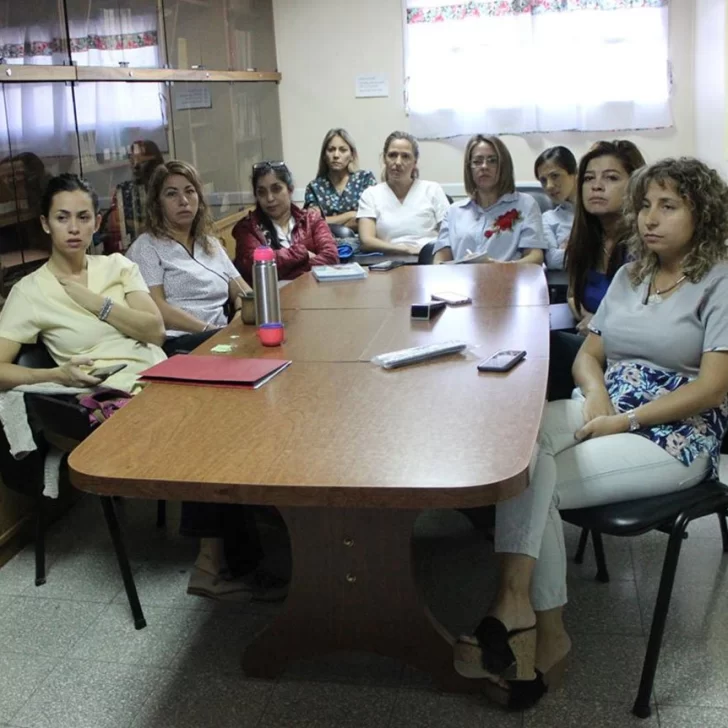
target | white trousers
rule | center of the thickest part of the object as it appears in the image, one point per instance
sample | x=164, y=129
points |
x=566, y=474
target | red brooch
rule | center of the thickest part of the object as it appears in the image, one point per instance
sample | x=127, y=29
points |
x=504, y=223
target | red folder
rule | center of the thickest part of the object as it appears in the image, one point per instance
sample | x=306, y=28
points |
x=216, y=371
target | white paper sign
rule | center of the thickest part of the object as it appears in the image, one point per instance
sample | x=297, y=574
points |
x=192, y=97
x=372, y=85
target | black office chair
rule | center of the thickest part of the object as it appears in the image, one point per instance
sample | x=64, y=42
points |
x=342, y=231
x=426, y=256
x=65, y=423
x=670, y=513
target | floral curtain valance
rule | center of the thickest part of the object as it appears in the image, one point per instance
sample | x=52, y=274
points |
x=425, y=13
x=115, y=42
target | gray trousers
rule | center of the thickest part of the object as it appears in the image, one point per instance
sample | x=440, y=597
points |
x=566, y=474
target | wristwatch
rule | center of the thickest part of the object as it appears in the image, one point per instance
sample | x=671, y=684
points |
x=634, y=424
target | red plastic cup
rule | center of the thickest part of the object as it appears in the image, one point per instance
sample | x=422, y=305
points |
x=272, y=334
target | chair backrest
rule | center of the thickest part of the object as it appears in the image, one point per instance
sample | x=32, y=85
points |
x=35, y=356
x=426, y=255
x=341, y=231
x=536, y=191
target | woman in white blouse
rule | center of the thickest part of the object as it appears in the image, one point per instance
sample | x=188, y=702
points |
x=403, y=213
x=192, y=280
x=189, y=274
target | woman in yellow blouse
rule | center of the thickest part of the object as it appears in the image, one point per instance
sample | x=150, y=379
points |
x=89, y=311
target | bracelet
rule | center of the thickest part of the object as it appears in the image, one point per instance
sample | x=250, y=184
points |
x=634, y=424
x=207, y=326
x=106, y=309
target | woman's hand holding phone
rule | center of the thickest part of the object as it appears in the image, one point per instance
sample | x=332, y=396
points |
x=71, y=374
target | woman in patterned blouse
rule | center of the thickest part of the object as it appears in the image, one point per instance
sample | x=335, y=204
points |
x=338, y=185
x=652, y=423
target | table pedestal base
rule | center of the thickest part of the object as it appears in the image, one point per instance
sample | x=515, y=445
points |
x=353, y=588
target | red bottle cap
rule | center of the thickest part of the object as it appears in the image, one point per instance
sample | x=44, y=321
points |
x=263, y=253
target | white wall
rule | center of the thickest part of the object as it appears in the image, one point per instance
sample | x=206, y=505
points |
x=710, y=83
x=323, y=44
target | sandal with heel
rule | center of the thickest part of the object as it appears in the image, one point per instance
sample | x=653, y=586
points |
x=524, y=694
x=492, y=650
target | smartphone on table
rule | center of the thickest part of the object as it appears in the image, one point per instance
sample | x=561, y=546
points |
x=103, y=373
x=502, y=361
x=451, y=299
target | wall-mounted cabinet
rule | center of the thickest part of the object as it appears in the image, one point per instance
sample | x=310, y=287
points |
x=98, y=86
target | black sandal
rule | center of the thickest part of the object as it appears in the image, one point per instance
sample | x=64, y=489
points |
x=494, y=651
x=524, y=694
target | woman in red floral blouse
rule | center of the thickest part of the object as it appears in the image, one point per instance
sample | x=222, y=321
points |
x=496, y=223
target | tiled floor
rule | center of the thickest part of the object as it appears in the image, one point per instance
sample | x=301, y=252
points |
x=70, y=658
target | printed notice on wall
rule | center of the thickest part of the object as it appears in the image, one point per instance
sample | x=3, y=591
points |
x=372, y=85
x=192, y=97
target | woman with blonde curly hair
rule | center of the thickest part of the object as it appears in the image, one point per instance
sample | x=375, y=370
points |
x=654, y=374
x=189, y=274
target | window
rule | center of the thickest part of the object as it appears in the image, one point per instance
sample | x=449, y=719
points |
x=518, y=66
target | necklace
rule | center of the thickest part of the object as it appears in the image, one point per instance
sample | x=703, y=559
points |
x=656, y=297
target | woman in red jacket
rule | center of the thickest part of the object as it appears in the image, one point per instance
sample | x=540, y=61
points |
x=300, y=238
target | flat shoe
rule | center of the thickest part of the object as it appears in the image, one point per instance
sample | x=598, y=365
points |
x=493, y=651
x=213, y=586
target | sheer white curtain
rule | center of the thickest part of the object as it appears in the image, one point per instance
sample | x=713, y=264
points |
x=40, y=117
x=523, y=66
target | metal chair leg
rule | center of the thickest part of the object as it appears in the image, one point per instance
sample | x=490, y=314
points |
x=161, y=513
x=641, y=706
x=581, y=548
x=602, y=573
x=115, y=533
x=723, y=530
x=40, y=569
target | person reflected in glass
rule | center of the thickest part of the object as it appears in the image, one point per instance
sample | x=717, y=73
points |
x=403, y=213
x=23, y=179
x=555, y=169
x=339, y=184
x=124, y=221
x=299, y=238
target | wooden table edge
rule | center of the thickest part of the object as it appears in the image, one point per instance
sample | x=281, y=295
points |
x=400, y=497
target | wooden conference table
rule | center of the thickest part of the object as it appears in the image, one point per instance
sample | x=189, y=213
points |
x=349, y=453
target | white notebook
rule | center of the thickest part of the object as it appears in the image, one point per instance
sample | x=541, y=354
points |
x=340, y=272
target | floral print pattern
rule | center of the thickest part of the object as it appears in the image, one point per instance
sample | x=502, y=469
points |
x=462, y=11
x=504, y=223
x=85, y=43
x=630, y=385
x=322, y=194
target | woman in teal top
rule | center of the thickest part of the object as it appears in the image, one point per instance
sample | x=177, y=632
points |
x=338, y=185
